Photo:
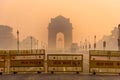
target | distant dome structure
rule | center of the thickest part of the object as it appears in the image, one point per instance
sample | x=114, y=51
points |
x=63, y=25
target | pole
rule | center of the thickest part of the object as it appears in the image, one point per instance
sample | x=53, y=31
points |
x=89, y=45
x=31, y=43
x=17, y=41
x=37, y=45
x=86, y=44
x=94, y=42
x=80, y=44
x=104, y=45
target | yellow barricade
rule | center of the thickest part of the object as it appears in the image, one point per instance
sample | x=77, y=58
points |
x=27, y=62
x=2, y=61
x=64, y=63
x=104, y=61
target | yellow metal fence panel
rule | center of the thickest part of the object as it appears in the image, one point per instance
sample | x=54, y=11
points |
x=104, y=64
x=102, y=61
x=27, y=63
x=2, y=64
x=65, y=62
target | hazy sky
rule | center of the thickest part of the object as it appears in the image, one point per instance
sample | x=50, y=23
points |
x=89, y=17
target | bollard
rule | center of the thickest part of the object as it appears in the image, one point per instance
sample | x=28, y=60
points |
x=94, y=73
x=0, y=73
x=39, y=72
x=52, y=72
x=77, y=72
x=14, y=72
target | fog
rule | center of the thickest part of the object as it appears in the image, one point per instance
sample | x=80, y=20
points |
x=7, y=39
x=27, y=44
x=111, y=40
x=88, y=17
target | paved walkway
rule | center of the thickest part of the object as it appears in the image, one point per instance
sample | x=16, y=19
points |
x=58, y=76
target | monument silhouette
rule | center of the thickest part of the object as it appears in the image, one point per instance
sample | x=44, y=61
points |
x=57, y=25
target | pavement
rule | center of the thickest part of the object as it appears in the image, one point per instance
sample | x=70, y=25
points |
x=58, y=76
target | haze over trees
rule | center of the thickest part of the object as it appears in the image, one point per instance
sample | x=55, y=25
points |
x=7, y=39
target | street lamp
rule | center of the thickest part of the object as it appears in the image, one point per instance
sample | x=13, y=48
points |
x=80, y=44
x=89, y=45
x=94, y=42
x=31, y=43
x=104, y=45
x=37, y=45
x=17, y=41
x=86, y=44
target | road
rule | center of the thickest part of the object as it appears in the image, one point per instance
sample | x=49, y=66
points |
x=60, y=76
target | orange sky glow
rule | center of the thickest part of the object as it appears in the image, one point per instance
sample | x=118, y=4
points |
x=88, y=17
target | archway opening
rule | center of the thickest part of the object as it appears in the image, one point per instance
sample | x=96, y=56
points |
x=60, y=41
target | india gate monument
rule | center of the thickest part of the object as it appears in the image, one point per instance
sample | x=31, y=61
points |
x=59, y=33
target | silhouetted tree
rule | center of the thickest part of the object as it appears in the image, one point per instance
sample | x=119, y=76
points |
x=7, y=39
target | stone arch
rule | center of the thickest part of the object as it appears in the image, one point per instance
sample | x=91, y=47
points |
x=60, y=40
x=63, y=25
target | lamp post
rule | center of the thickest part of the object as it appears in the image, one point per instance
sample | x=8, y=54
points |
x=31, y=43
x=94, y=42
x=89, y=44
x=85, y=44
x=80, y=44
x=37, y=45
x=17, y=41
x=104, y=45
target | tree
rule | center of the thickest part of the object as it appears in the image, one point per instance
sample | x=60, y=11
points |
x=7, y=39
